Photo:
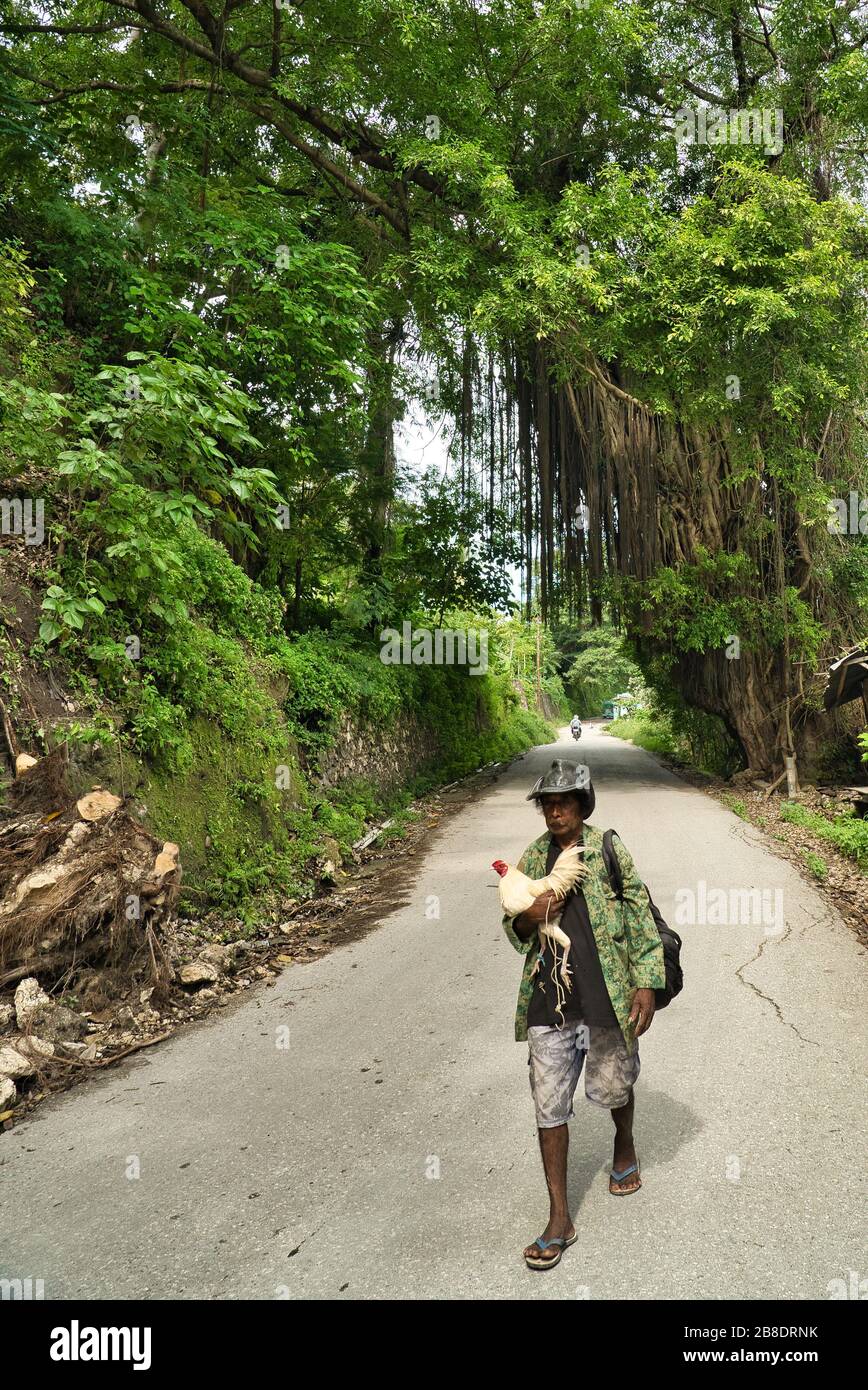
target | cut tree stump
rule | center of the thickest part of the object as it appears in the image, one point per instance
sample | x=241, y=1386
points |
x=83, y=885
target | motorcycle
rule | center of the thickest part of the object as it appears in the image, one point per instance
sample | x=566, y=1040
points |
x=576, y=732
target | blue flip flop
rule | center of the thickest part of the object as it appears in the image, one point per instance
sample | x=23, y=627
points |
x=543, y=1245
x=619, y=1175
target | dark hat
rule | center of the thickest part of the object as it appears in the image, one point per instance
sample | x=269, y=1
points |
x=565, y=776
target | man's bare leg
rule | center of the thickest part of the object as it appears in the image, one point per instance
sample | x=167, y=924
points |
x=625, y=1151
x=554, y=1144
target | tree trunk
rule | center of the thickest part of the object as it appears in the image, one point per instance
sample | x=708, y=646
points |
x=379, y=448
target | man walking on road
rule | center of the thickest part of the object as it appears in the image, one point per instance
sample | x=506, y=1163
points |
x=616, y=960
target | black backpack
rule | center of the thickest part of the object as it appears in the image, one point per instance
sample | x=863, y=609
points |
x=670, y=939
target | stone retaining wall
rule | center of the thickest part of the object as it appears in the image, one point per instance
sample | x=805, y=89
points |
x=387, y=756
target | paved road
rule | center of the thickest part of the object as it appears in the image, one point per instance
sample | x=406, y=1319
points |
x=309, y=1170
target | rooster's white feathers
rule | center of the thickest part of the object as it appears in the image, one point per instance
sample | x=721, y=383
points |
x=517, y=891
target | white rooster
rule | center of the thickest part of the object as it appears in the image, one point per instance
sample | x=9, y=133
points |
x=517, y=892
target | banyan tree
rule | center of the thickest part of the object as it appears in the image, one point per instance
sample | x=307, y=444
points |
x=712, y=570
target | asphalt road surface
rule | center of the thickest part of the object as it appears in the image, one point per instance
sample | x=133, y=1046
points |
x=385, y=1147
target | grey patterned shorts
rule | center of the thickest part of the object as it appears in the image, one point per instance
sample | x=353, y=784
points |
x=556, y=1057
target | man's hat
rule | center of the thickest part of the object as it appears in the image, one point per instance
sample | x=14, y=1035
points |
x=565, y=776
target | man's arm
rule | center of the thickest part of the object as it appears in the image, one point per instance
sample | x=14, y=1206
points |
x=525, y=924
x=644, y=947
x=522, y=928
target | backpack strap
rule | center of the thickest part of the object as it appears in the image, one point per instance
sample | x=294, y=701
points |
x=613, y=868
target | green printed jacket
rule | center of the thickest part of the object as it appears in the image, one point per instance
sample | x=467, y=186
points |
x=627, y=938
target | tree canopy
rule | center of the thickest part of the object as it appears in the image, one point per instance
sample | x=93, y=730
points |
x=624, y=237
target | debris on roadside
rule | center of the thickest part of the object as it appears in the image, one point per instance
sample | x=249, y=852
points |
x=85, y=895
x=81, y=883
x=75, y=1021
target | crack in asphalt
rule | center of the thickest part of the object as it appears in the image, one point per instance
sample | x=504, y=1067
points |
x=749, y=984
x=310, y=1235
x=741, y=831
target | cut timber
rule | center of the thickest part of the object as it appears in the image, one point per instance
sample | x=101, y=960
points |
x=97, y=804
x=167, y=860
x=776, y=782
x=23, y=763
x=371, y=836
x=33, y=888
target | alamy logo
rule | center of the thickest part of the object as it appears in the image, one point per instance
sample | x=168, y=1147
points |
x=848, y=520
x=730, y=907
x=708, y=125
x=852, y=1287
x=22, y=1290
x=442, y=647
x=22, y=516
x=76, y=1343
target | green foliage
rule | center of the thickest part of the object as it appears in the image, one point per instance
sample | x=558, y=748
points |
x=398, y=828
x=438, y=558
x=175, y=431
x=330, y=677
x=651, y=734
x=686, y=735
x=16, y=282
x=602, y=669
x=846, y=831
x=817, y=865
x=191, y=655
x=698, y=607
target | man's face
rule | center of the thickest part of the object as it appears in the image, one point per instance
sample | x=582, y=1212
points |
x=562, y=813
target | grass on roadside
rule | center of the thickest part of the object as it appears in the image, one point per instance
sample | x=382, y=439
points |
x=644, y=733
x=397, y=830
x=736, y=805
x=817, y=865
x=845, y=831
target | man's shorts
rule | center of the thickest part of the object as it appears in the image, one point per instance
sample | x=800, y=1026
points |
x=556, y=1057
